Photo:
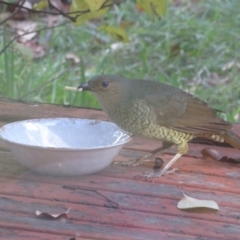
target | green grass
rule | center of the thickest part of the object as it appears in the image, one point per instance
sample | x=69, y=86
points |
x=206, y=35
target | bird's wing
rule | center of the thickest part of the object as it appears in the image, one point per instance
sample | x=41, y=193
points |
x=183, y=112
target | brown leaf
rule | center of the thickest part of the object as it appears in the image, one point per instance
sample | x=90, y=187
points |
x=52, y=20
x=22, y=12
x=63, y=6
x=211, y=154
x=175, y=50
x=25, y=29
x=38, y=50
x=125, y=25
x=139, y=8
x=73, y=58
x=211, y=78
x=214, y=79
x=188, y=203
x=230, y=160
x=230, y=65
x=53, y=215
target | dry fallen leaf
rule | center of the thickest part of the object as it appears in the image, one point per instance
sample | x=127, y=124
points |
x=53, y=215
x=23, y=12
x=214, y=79
x=31, y=49
x=230, y=65
x=72, y=57
x=230, y=160
x=188, y=203
x=211, y=154
x=175, y=50
x=26, y=30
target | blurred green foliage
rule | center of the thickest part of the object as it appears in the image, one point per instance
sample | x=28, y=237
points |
x=187, y=48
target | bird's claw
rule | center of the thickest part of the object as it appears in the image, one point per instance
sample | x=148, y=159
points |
x=161, y=173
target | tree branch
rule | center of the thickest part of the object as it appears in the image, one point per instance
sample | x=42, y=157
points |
x=19, y=6
x=73, y=19
x=59, y=12
x=14, y=12
x=39, y=30
x=26, y=8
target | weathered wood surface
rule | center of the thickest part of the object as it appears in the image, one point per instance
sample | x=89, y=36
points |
x=148, y=210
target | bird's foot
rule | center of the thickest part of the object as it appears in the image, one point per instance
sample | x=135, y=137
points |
x=158, y=174
x=147, y=157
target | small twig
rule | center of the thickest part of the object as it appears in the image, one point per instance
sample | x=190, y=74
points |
x=14, y=12
x=73, y=19
x=181, y=190
x=95, y=191
x=39, y=30
x=59, y=12
x=26, y=8
x=43, y=85
x=111, y=4
x=109, y=200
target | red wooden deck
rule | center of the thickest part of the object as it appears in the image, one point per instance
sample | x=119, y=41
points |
x=147, y=210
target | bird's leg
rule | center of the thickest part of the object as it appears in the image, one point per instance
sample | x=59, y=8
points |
x=148, y=156
x=182, y=148
x=165, y=170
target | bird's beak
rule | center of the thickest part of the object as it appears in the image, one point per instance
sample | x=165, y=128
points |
x=84, y=86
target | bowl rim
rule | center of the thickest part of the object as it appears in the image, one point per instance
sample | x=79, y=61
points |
x=3, y=128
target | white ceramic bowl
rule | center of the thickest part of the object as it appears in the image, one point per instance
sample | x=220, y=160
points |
x=64, y=146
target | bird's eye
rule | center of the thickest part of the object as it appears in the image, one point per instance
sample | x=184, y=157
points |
x=105, y=84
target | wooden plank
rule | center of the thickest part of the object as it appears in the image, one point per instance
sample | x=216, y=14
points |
x=134, y=153
x=3, y=145
x=147, y=145
x=12, y=111
x=84, y=229
x=148, y=209
x=3, y=123
x=202, y=173
x=83, y=214
x=13, y=234
x=164, y=203
x=185, y=165
x=236, y=128
x=167, y=189
x=8, y=158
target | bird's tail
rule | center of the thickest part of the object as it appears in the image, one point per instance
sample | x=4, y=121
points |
x=233, y=139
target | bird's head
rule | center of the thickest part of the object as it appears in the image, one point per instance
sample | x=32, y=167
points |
x=106, y=87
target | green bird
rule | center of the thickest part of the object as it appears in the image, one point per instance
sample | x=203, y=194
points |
x=156, y=110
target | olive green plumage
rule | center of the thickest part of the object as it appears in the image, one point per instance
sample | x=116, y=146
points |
x=157, y=110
